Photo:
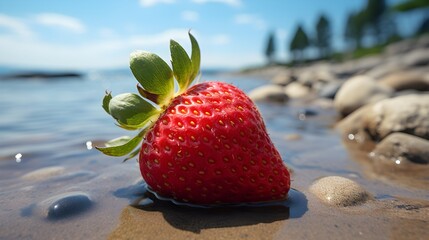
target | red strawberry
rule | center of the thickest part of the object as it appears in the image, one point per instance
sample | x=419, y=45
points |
x=211, y=145
x=206, y=145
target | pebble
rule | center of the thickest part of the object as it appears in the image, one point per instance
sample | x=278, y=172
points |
x=339, y=191
x=269, y=93
x=330, y=90
x=283, y=79
x=43, y=173
x=296, y=90
x=66, y=205
x=405, y=80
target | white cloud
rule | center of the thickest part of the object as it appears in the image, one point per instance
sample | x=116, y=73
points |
x=35, y=53
x=105, y=53
x=113, y=52
x=61, y=21
x=233, y=3
x=220, y=39
x=191, y=16
x=161, y=38
x=15, y=25
x=249, y=19
x=150, y=3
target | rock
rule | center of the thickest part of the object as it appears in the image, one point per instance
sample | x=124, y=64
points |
x=323, y=103
x=353, y=67
x=357, y=92
x=316, y=76
x=388, y=66
x=43, y=173
x=423, y=42
x=330, y=90
x=283, y=79
x=296, y=90
x=415, y=58
x=352, y=127
x=408, y=113
x=400, y=47
x=339, y=191
x=325, y=75
x=401, y=147
x=269, y=93
x=407, y=45
x=406, y=80
x=67, y=205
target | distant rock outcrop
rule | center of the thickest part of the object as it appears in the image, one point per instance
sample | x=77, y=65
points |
x=41, y=75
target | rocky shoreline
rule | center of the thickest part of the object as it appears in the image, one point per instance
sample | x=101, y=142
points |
x=382, y=101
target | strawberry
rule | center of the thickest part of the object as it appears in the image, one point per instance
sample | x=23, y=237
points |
x=205, y=145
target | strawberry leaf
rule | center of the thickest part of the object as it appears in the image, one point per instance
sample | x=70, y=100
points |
x=182, y=66
x=131, y=111
x=132, y=154
x=150, y=96
x=153, y=73
x=122, y=146
x=106, y=100
x=195, y=57
x=117, y=141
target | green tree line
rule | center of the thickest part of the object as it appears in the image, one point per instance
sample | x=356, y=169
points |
x=374, y=22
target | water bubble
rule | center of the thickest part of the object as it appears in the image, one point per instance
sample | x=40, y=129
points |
x=304, y=113
x=89, y=145
x=18, y=157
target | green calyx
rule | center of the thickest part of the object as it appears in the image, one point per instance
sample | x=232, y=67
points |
x=156, y=88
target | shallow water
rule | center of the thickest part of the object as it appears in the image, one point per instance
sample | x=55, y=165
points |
x=53, y=184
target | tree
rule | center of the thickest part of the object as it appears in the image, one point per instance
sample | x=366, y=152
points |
x=355, y=28
x=375, y=17
x=299, y=43
x=323, y=36
x=412, y=6
x=270, y=48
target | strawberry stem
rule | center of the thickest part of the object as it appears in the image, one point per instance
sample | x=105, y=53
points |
x=156, y=86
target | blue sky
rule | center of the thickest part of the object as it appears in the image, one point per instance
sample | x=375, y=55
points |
x=84, y=35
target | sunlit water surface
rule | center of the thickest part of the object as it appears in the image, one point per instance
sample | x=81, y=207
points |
x=54, y=184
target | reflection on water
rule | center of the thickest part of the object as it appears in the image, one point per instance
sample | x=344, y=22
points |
x=391, y=170
x=18, y=157
x=88, y=145
x=142, y=197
